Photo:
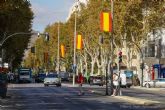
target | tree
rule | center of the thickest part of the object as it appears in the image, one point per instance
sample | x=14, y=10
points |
x=15, y=16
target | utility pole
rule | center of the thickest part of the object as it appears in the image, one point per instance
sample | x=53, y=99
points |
x=75, y=33
x=58, y=52
x=111, y=40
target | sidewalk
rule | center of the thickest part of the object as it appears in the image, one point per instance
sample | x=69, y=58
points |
x=148, y=89
x=138, y=101
x=135, y=99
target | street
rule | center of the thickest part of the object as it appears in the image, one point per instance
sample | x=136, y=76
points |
x=37, y=97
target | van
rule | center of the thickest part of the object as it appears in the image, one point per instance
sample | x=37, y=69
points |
x=123, y=82
x=129, y=78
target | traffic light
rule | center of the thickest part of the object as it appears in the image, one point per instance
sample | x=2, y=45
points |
x=101, y=39
x=120, y=56
x=32, y=49
x=142, y=66
x=46, y=36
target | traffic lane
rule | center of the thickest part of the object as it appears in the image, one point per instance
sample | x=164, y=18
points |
x=49, y=98
x=64, y=98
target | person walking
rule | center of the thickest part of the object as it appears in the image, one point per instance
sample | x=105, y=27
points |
x=115, y=83
x=80, y=81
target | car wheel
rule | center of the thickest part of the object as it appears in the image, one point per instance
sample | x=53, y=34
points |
x=3, y=95
x=58, y=85
x=147, y=85
x=101, y=85
x=45, y=85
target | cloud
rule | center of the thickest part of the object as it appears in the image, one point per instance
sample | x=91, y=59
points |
x=49, y=12
x=72, y=9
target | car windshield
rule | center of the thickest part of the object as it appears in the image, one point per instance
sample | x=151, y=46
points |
x=52, y=76
x=41, y=75
x=97, y=77
x=24, y=73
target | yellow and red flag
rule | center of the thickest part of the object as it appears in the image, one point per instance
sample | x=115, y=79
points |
x=62, y=51
x=79, y=42
x=106, y=21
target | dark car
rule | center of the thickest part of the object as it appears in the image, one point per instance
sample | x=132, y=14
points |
x=3, y=84
x=40, y=77
x=96, y=80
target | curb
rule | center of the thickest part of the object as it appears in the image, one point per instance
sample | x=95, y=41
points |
x=138, y=101
x=148, y=89
x=129, y=99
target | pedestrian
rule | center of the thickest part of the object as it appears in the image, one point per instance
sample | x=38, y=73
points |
x=115, y=83
x=80, y=81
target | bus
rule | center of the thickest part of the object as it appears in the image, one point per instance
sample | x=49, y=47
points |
x=24, y=75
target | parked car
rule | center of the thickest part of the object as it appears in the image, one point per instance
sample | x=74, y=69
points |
x=64, y=76
x=52, y=79
x=129, y=78
x=3, y=84
x=96, y=80
x=40, y=77
x=159, y=82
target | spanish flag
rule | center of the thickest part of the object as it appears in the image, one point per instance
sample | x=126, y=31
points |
x=106, y=21
x=79, y=42
x=62, y=51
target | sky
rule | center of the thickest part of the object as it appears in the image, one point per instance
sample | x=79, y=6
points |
x=49, y=11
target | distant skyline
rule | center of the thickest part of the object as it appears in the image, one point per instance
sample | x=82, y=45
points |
x=49, y=11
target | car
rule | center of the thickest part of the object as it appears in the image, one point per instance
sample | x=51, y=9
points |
x=64, y=76
x=52, y=79
x=96, y=80
x=3, y=84
x=40, y=77
x=159, y=82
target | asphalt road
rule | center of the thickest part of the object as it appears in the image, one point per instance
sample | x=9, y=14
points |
x=38, y=97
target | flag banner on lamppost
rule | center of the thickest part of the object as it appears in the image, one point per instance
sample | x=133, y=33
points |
x=62, y=51
x=106, y=21
x=79, y=42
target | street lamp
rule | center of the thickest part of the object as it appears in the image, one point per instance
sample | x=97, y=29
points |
x=5, y=38
x=112, y=49
x=75, y=33
x=58, y=54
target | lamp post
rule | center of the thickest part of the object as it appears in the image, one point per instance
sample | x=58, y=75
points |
x=111, y=62
x=58, y=54
x=5, y=38
x=75, y=33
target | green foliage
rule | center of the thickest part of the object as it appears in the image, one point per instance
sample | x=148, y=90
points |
x=15, y=16
x=129, y=18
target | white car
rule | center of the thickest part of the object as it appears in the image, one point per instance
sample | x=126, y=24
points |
x=52, y=79
x=160, y=82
